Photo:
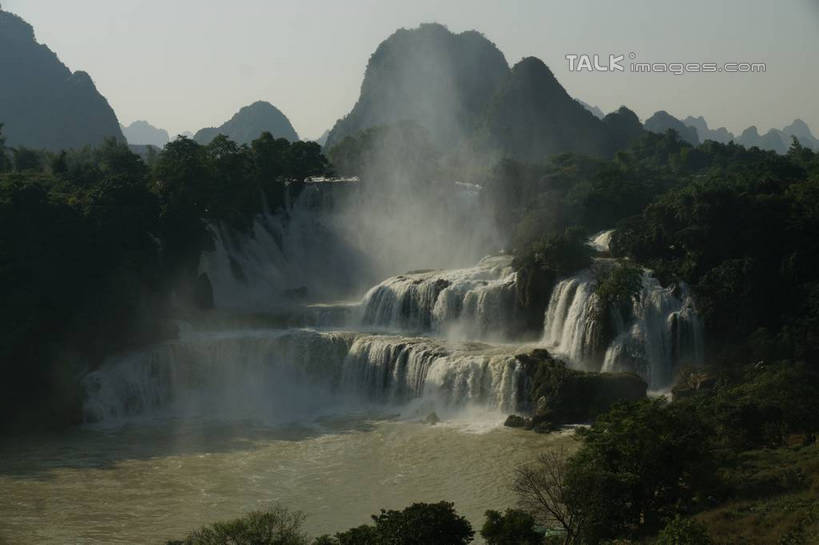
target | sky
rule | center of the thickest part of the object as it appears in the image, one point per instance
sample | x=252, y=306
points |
x=187, y=64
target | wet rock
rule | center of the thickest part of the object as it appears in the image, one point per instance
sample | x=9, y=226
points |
x=516, y=421
x=203, y=293
x=558, y=395
x=432, y=419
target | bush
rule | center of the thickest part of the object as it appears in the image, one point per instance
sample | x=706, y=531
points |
x=682, y=531
x=418, y=524
x=514, y=527
x=275, y=526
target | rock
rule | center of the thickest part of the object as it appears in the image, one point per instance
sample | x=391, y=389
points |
x=432, y=419
x=203, y=293
x=559, y=395
x=516, y=421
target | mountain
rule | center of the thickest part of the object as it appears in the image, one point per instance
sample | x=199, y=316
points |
x=250, y=122
x=322, y=140
x=624, y=127
x=42, y=103
x=772, y=140
x=532, y=116
x=802, y=132
x=143, y=133
x=721, y=135
x=661, y=121
x=459, y=89
x=598, y=113
x=440, y=80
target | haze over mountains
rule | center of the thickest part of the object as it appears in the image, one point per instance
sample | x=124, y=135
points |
x=458, y=87
x=142, y=133
x=696, y=130
x=249, y=122
x=42, y=103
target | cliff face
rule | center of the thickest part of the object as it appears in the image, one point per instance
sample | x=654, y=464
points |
x=249, y=123
x=42, y=103
x=440, y=80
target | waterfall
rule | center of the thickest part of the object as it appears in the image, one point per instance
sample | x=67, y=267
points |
x=664, y=333
x=571, y=320
x=601, y=241
x=471, y=303
x=659, y=332
x=282, y=375
x=227, y=374
x=397, y=369
x=288, y=255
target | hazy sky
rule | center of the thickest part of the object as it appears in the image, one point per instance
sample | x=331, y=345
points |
x=186, y=64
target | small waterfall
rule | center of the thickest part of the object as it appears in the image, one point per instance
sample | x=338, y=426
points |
x=472, y=303
x=601, y=241
x=660, y=332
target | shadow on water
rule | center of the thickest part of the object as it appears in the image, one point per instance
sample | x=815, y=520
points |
x=38, y=456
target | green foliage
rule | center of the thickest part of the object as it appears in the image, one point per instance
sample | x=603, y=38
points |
x=682, y=531
x=763, y=407
x=92, y=241
x=618, y=285
x=639, y=464
x=514, y=527
x=275, y=526
x=562, y=254
x=418, y=524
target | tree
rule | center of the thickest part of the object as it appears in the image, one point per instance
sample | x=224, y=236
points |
x=423, y=524
x=514, y=527
x=543, y=490
x=275, y=526
x=640, y=463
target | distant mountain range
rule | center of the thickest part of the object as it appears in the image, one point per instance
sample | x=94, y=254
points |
x=42, y=103
x=460, y=88
x=250, y=122
x=695, y=129
x=142, y=133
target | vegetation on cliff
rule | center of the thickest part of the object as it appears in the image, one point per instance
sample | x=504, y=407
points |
x=92, y=242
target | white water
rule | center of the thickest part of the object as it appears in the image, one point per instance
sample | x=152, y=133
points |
x=470, y=303
x=662, y=332
x=280, y=376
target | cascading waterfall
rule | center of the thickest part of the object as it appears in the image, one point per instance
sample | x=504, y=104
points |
x=472, y=303
x=661, y=331
x=281, y=375
x=664, y=333
x=571, y=324
x=398, y=369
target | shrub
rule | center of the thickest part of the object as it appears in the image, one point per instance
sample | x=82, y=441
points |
x=682, y=531
x=275, y=526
